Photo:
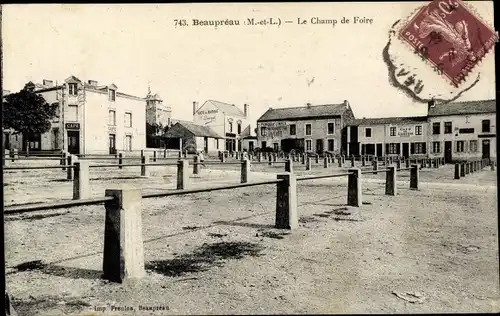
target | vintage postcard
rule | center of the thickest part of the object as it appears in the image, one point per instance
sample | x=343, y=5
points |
x=250, y=158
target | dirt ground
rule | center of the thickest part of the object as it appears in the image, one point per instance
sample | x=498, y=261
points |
x=427, y=251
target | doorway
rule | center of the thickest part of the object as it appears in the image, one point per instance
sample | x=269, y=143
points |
x=112, y=144
x=74, y=142
x=447, y=152
x=379, y=150
x=406, y=150
x=486, y=149
x=319, y=146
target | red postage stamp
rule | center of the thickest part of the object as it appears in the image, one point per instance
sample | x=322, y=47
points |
x=450, y=37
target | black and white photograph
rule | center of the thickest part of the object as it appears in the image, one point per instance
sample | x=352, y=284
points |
x=250, y=158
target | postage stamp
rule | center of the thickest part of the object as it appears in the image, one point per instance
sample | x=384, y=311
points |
x=450, y=37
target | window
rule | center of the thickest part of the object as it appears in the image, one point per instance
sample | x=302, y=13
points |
x=436, y=128
x=263, y=131
x=293, y=129
x=239, y=128
x=331, y=145
x=392, y=131
x=466, y=131
x=331, y=128
x=417, y=148
x=73, y=89
x=308, y=145
x=447, y=127
x=128, y=119
x=473, y=145
x=112, y=118
x=460, y=146
x=436, y=147
x=418, y=130
x=128, y=142
x=308, y=129
x=486, y=126
x=72, y=113
x=112, y=95
x=230, y=127
x=368, y=132
x=275, y=146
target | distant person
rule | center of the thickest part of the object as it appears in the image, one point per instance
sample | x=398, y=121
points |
x=201, y=158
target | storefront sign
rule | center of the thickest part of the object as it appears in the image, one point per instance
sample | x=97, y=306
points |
x=208, y=116
x=405, y=131
x=274, y=129
x=72, y=125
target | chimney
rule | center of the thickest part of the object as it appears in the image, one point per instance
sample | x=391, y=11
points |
x=308, y=105
x=93, y=83
x=195, y=107
x=346, y=103
x=48, y=83
x=430, y=104
x=246, y=110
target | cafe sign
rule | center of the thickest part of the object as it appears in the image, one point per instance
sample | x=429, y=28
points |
x=405, y=131
x=72, y=125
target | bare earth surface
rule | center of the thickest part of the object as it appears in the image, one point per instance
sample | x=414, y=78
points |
x=427, y=251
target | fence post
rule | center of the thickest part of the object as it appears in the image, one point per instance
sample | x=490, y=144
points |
x=363, y=161
x=154, y=156
x=180, y=154
x=308, y=163
x=340, y=162
x=289, y=165
x=123, y=244
x=375, y=166
x=390, y=181
x=165, y=154
x=245, y=170
x=120, y=161
x=325, y=162
x=398, y=164
x=182, y=174
x=69, y=172
x=270, y=160
x=195, y=164
x=237, y=155
x=275, y=157
x=354, y=196
x=352, y=161
x=303, y=159
x=144, y=161
x=414, y=177
x=317, y=158
x=457, y=171
x=222, y=158
x=492, y=164
x=286, y=202
x=15, y=154
x=81, y=180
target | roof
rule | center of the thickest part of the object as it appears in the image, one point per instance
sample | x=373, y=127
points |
x=313, y=111
x=196, y=130
x=389, y=120
x=226, y=108
x=461, y=108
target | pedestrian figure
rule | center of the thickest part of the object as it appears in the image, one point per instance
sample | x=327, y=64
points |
x=201, y=158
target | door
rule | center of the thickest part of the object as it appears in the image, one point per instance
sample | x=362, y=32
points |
x=447, y=152
x=264, y=145
x=319, y=146
x=250, y=145
x=74, y=142
x=486, y=149
x=406, y=150
x=379, y=150
x=112, y=144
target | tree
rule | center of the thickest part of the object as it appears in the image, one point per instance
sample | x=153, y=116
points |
x=27, y=112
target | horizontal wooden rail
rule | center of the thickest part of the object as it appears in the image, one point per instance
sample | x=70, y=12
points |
x=39, y=167
x=132, y=165
x=10, y=210
x=322, y=176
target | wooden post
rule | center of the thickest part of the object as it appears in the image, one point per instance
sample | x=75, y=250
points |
x=245, y=170
x=317, y=158
x=120, y=161
x=165, y=153
x=492, y=164
x=354, y=195
x=462, y=169
x=303, y=159
x=81, y=181
x=457, y=171
x=414, y=177
x=390, y=181
x=325, y=162
x=308, y=163
x=275, y=157
x=286, y=202
x=352, y=161
x=6, y=155
x=375, y=166
x=15, y=154
x=154, y=156
x=69, y=172
x=123, y=244
x=144, y=161
x=340, y=162
x=398, y=164
x=289, y=165
x=182, y=175
x=180, y=154
x=270, y=160
x=259, y=157
x=195, y=164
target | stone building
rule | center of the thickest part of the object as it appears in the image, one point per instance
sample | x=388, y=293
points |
x=192, y=138
x=310, y=128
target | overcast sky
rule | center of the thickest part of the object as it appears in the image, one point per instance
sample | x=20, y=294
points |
x=131, y=45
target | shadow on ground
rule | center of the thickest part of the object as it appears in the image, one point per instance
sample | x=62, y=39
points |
x=204, y=257
x=56, y=270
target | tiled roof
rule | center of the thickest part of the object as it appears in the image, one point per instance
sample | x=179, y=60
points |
x=226, y=108
x=326, y=110
x=467, y=107
x=197, y=130
x=389, y=120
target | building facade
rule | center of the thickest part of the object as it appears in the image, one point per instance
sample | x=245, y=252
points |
x=192, y=138
x=391, y=136
x=316, y=129
x=226, y=120
x=157, y=113
x=461, y=131
x=91, y=119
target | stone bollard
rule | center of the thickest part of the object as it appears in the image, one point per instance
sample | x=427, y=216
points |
x=144, y=161
x=325, y=162
x=195, y=164
x=69, y=171
x=414, y=177
x=462, y=169
x=123, y=256
x=457, y=171
x=286, y=202
x=120, y=161
x=245, y=171
x=390, y=181
x=352, y=161
x=81, y=181
x=308, y=163
x=182, y=174
x=354, y=196
x=375, y=166
x=289, y=165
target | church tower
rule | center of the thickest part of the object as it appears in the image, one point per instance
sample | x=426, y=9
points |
x=157, y=112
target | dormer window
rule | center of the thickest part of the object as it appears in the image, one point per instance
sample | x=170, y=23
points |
x=112, y=95
x=73, y=89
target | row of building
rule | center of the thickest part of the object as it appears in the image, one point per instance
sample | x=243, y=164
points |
x=100, y=119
